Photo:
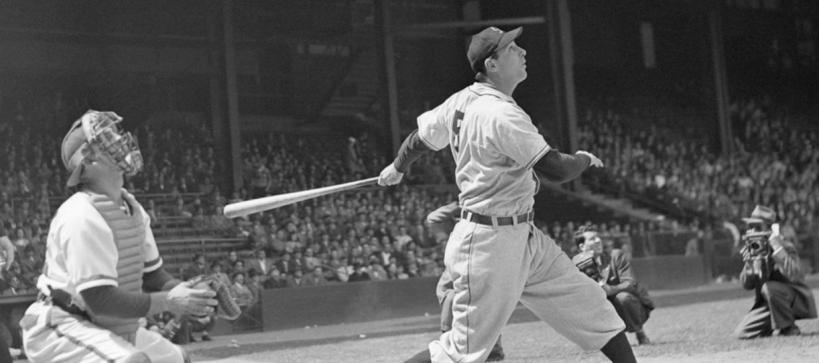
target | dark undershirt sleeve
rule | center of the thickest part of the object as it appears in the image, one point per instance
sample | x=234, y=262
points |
x=411, y=149
x=113, y=301
x=158, y=280
x=558, y=167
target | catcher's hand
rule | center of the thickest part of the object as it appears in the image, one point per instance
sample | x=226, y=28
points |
x=227, y=307
x=183, y=299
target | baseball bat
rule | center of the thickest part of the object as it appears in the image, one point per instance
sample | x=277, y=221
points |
x=246, y=207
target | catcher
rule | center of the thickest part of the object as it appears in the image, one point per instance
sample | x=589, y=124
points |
x=772, y=269
x=100, y=257
x=611, y=269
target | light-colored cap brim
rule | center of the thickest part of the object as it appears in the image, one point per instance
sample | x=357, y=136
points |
x=74, y=178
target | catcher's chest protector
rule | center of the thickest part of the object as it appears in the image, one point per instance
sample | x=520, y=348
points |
x=129, y=236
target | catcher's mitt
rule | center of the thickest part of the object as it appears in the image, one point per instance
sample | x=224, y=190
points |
x=227, y=309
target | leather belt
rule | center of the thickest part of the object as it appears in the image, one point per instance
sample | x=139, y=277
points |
x=67, y=307
x=497, y=221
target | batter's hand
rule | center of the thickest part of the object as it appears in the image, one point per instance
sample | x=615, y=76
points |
x=595, y=161
x=390, y=176
x=182, y=299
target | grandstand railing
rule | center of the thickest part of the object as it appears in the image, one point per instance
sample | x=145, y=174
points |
x=176, y=253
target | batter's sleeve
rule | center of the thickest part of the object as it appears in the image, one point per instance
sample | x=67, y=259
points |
x=90, y=252
x=558, y=167
x=149, y=249
x=411, y=149
x=433, y=127
x=516, y=136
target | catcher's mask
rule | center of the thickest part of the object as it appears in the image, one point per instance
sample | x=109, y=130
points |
x=101, y=130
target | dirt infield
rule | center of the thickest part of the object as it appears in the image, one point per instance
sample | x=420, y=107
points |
x=690, y=333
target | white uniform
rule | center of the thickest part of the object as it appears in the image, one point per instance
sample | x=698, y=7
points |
x=495, y=145
x=81, y=253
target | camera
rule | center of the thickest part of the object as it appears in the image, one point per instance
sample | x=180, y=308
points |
x=756, y=242
x=585, y=263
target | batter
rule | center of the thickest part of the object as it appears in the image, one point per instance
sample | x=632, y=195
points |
x=495, y=255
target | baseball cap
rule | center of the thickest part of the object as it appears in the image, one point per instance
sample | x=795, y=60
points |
x=761, y=214
x=73, y=141
x=487, y=42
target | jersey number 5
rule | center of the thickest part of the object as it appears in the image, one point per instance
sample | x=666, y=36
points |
x=456, y=129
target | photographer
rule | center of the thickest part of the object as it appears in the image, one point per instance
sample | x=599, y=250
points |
x=612, y=270
x=773, y=270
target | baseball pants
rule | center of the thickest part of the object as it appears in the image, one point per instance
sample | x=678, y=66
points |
x=445, y=294
x=50, y=335
x=494, y=267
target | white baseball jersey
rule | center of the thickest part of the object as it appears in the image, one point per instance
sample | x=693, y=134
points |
x=81, y=252
x=494, y=144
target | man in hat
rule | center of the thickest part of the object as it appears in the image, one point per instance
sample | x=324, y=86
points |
x=495, y=255
x=773, y=271
x=101, y=256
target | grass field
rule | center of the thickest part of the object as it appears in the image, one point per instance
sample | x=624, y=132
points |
x=690, y=333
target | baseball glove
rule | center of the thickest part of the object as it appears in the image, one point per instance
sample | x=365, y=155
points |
x=227, y=308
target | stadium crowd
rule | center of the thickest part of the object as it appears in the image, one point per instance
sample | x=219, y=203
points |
x=774, y=164
x=343, y=232
x=179, y=182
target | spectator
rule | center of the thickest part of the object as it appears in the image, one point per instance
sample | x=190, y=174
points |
x=16, y=287
x=297, y=279
x=21, y=240
x=197, y=267
x=402, y=238
x=239, y=266
x=315, y=278
x=259, y=236
x=275, y=280
x=344, y=270
x=377, y=271
x=233, y=257
x=255, y=285
x=222, y=225
x=285, y=264
x=359, y=273
x=217, y=273
x=310, y=261
x=243, y=295
x=30, y=265
x=261, y=264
